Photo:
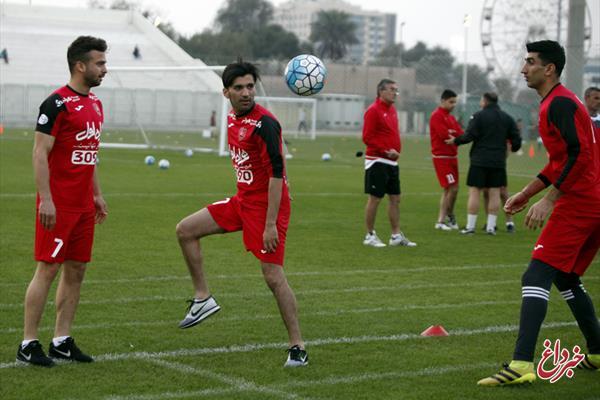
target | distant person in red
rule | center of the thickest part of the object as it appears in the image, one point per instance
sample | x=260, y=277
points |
x=69, y=200
x=260, y=208
x=571, y=238
x=592, y=103
x=381, y=135
x=442, y=124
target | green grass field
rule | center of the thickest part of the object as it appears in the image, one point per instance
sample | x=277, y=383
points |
x=361, y=309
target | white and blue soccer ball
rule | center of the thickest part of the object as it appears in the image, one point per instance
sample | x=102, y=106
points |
x=326, y=157
x=305, y=75
x=149, y=160
x=164, y=164
x=189, y=152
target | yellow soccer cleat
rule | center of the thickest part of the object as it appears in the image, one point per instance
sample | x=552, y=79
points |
x=591, y=362
x=517, y=373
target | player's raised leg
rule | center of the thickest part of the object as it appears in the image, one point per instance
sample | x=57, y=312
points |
x=189, y=232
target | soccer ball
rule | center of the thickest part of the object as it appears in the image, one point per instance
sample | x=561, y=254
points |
x=326, y=157
x=305, y=75
x=149, y=160
x=164, y=164
x=189, y=152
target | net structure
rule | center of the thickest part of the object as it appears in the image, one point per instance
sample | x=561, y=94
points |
x=160, y=107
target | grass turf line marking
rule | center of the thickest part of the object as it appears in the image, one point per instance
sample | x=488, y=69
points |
x=239, y=384
x=408, y=286
x=325, y=272
x=252, y=347
x=277, y=315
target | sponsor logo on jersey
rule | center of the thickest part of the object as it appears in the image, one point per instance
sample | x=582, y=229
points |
x=69, y=99
x=239, y=156
x=252, y=122
x=43, y=119
x=90, y=132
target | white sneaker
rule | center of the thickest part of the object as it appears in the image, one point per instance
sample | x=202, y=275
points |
x=372, y=240
x=401, y=240
x=442, y=226
x=199, y=311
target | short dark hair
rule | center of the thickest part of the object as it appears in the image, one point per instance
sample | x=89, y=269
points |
x=238, y=69
x=590, y=90
x=550, y=52
x=491, y=97
x=448, y=94
x=383, y=83
x=80, y=49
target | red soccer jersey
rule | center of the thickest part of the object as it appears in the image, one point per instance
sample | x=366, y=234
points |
x=441, y=125
x=255, y=146
x=567, y=134
x=381, y=132
x=75, y=120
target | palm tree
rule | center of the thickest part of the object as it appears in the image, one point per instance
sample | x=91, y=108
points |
x=332, y=33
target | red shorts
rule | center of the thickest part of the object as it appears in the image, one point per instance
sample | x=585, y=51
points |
x=233, y=215
x=71, y=238
x=568, y=243
x=446, y=170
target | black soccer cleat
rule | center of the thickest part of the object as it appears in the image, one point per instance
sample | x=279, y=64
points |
x=68, y=350
x=34, y=354
x=297, y=357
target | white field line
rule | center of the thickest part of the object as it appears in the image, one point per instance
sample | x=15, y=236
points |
x=356, y=289
x=352, y=290
x=207, y=393
x=239, y=384
x=329, y=381
x=253, y=347
x=255, y=317
x=324, y=272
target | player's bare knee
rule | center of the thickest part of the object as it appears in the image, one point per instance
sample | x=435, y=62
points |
x=184, y=232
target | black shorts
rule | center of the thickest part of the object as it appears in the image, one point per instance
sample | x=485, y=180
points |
x=484, y=177
x=382, y=178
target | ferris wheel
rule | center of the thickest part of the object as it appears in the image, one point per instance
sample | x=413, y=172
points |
x=506, y=25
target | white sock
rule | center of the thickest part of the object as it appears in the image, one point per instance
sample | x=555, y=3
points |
x=471, y=221
x=491, y=222
x=57, y=341
x=25, y=342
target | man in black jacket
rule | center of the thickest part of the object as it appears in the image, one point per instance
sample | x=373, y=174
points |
x=488, y=129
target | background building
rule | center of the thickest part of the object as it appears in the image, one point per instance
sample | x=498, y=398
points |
x=374, y=30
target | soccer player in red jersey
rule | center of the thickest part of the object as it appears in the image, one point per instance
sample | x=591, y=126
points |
x=571, y=237
x=69, y=200
x=381, y=135
x=442, y=124
x=260, y=208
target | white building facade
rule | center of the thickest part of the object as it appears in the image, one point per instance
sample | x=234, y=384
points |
x=374, y=30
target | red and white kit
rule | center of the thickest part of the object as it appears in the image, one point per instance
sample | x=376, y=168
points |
x=75, y=121
x=442, y=124
x=571, y=237
x=256, y=149
x=381, y=133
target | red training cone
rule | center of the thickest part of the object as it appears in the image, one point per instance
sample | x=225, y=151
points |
x=531, y=151
x=435, y=330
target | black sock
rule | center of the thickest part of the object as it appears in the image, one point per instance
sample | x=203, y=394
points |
x=582, y=308
x=536, y=284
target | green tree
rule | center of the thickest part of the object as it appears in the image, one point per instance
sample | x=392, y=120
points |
x=332, y=33
x=244, y=15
